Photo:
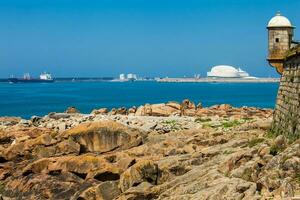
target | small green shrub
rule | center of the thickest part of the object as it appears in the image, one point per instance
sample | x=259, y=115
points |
x=298, y=177
x=172, y=121
x=174, y=125
x=227, y=152
x=248, y=119
x=292, y=137
x=271, y=134
x=247, y=175
x=227, y=174
x=274, y=150
x=255, y=142
x=201, y=120
x=208, y=125
x=2, y=187
x=230, y=124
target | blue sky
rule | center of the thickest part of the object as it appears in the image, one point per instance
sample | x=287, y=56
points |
x=147, y=37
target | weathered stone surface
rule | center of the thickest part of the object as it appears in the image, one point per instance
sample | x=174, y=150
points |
x=61, y=127
x=104, y=191
x=222, y=153
x=9, y=121
x=67, y=147
x=141, y=191
x=58, y=116
x=144, y=170
x=280, y=142
x=21, y=148
x=81, y=165
x=140, y=111
x=158, y=110
x=100, y=111
x=132, y=110
x=72, y=110
x=162, y=110
x=187, y=104
x=42, y=187
x=174, y=105
x=104, y=136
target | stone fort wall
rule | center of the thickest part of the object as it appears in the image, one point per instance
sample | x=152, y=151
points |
x=287, y=111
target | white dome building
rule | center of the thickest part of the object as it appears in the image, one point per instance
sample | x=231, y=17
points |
x=279, y=21
x=226, y=71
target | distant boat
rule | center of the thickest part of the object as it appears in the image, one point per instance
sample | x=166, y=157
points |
x=44, y=78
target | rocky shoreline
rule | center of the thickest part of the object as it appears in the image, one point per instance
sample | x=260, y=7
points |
x=160, y=151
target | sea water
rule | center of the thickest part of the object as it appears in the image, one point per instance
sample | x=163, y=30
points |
x=26, y=100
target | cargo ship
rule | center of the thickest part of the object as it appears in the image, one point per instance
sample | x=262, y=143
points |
x=44, y=78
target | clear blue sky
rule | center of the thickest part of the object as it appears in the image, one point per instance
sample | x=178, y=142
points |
x=147, y=37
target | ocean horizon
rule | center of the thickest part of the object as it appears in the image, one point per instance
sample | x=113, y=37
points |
x=26, y=100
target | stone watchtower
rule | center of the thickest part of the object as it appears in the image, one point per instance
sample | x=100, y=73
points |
x=281, y=34
x=284, y=55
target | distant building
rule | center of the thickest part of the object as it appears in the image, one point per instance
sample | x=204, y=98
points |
x=132, y=77
x=128, y=77
x=226, y=71
x=122, y=77
x=197, y=76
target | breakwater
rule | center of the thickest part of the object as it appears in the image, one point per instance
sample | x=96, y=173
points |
x=219, y=80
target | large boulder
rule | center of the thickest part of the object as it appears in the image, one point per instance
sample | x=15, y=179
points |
x=187, y=104
x=58, y=116
x=280, y=142
x=161, y=109
x=121, y=111
x=141, y=191
x=17, y=134
x=142, y=171
x=132, y=110
x=42, y=186
x=83, y=166
x=148, y=110
x=9, y=121
x=174, y=104
x=140, y=111
x=104, y=136
x=188, y=108
x=104, y=191
x=100, y=111
x=225, y=107
x=24, y=148
x=72, y=110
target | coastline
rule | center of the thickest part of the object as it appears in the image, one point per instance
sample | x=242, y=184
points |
x=177, y=80
x=143, y=152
